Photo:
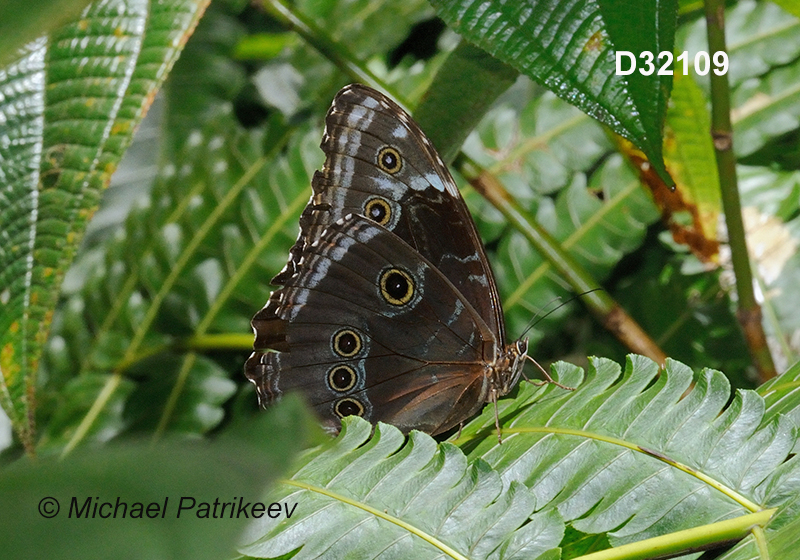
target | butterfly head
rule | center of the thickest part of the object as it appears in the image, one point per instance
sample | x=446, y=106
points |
x=511, y=363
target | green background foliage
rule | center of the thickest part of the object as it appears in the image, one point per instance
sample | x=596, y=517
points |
x=124, y=311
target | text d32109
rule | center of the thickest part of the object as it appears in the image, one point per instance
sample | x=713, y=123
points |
x=701, y=64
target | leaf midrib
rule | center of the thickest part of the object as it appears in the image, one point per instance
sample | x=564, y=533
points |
x=430, y=539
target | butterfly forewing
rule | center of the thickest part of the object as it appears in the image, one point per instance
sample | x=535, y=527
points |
x=423, y=206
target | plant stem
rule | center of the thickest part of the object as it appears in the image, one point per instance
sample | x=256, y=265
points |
x=607, y=311
x=749, y=310
x=705, y=537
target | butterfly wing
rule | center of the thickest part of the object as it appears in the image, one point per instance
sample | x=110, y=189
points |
x=367, y=326
x=381, y=165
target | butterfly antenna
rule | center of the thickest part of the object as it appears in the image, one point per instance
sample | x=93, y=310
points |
x=536, y=318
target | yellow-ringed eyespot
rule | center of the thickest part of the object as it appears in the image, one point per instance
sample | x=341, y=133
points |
x=389, y=160
x=342, y=378
x=378, y=210
x=347, y=343
x=348, y=407
x=397, y=286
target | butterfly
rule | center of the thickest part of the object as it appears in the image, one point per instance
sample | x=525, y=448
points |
x=387, y=307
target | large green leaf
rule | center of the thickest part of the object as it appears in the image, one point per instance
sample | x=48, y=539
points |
x=623, y=457
x=570, y=47
x=21, y=22
x=70, y=105
x=383, y=497
x=572, y=448
x=54, y=509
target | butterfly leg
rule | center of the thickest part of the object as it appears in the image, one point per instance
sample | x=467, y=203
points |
x=546, y=375
x=496, y=416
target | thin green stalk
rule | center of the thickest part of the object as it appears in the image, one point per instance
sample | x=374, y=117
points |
x=607, y=311
x=222, y=341
x=749, y=311
x=705, y=537
x=97, y=407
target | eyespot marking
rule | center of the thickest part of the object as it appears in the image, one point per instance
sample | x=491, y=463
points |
x=346, y=343
x=342, y=378
x=348, y=406
x=397, y=286
x=389, y=160
x=378, y=210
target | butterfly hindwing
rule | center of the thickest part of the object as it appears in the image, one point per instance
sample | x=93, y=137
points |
x=373, y=327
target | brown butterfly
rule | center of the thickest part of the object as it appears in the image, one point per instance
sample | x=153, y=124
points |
x=387, y=308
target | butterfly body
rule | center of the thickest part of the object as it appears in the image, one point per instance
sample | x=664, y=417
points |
x=387, y=307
